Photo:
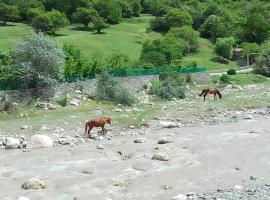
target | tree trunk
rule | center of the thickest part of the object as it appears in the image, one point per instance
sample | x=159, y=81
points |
x=98, y=31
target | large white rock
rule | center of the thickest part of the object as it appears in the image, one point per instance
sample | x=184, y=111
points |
x=23, y=198
x=180, y=197
x=34, y=184
x=40, y=141
x=165, y=124
x=12, y=143
x=161, y=157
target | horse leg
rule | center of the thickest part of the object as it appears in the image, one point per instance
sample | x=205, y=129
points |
x=204, y=96
x=88, y=132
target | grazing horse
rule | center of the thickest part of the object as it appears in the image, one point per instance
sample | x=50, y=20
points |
x=89, y=124
x=213, y=91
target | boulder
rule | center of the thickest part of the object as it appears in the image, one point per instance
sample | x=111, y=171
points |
x=165, y=140
x=165, y=124
x=100, y=147
x=40, y=141
x=34, y=184
x=75, y=102
x=180, y=197
x=12, y=143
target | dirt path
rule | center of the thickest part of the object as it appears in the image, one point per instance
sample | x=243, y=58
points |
x=201, y=159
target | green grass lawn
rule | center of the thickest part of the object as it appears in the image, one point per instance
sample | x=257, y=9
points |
x=242, y=79
x=126, y=37
x=204, y=55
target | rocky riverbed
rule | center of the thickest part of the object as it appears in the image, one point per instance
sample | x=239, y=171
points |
x=159, y=163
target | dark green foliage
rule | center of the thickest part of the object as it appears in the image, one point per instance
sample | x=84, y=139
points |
x=159, y=24
x=163, y=51
x=225, y=78
x=178, y=18
x=85, y=16
x=8, y=13
x=100, y=24
x=34, y=12
x=167, y=89
x=50, y=22
x=108, y=88
x=189, y=78
x=187, y=34
x=136, y=7
x=8, y=106
x=231, y=72
x=224, y=47
x=251, y=48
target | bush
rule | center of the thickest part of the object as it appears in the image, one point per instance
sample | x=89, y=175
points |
x=179, y=79
x=224, y=47
x=263, y=63
x=225, y=79
x=167, y=89
x=39, y=59
x=108, y=88
x=231, y=72
x=9, y=106
x=63, y=100
x=189, y=78
x=158, y=24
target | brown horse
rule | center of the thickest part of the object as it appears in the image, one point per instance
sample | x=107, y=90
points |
x=213, y=91
x=90, y=124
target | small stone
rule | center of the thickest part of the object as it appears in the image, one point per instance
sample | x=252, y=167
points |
x=248, y=117
x=161, y=157
x=100, y=147
x=34, y=184
x=25, y=127
x=165, y=140
x=238, y=187
x=252, y=178
x=139, y=140
x=75, y=102
x=118, y=110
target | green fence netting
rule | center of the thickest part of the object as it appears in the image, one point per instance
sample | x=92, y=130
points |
x=13, y=85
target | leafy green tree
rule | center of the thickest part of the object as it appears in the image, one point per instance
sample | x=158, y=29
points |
x=211, y=28
x=177, y=18
x=8, y=13
x=34, y=12
x=159, y=24
x=163, y=51
x=39, y=59
x=85, y=16
x=100, y=24
x=117, y=61
x=50, y=22
x=114, y=13
x=127, y=11
x=256, y=29
x=136, y=7
x=187, y=34
x=224, y=47
x=24, y=5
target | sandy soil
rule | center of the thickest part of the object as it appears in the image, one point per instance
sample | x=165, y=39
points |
x=201, y=159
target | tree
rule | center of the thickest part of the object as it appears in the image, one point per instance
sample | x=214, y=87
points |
x=161, y=52
x=126, y=9
x=85, y=16
x=34, y=12
x=187, y=34
x=100, y=24
x=177, y=18
x=136, y=7
x=50, y=22
x=159, y=24
x=8, y=13
x=211, y=27
x=39, y=59
x=114, y=13
x=256, y=29
x=224, y=47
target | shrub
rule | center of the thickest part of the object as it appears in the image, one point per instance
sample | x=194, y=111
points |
x=117, y=61
x=39, y=59
x=224, y=47
x=63, y=100
x=263, y=63
x=167, y=89
x=108, y=88
x=158, y=24
x=189, y=78
x=231, y=72
x=73, y=64
x=178, y=78
x=225, y=78
x=9, y=106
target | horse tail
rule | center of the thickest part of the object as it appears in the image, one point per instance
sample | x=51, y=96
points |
x=202, y=93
